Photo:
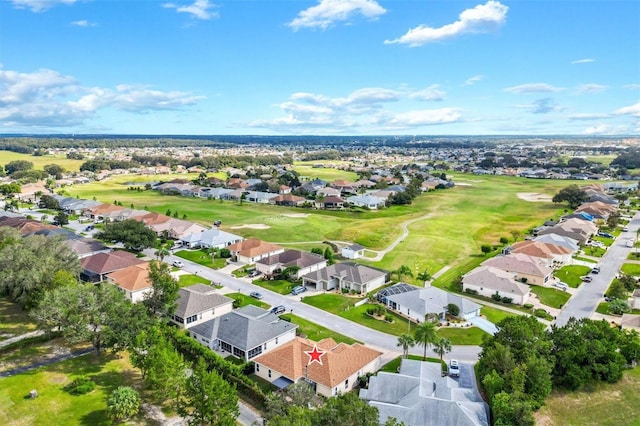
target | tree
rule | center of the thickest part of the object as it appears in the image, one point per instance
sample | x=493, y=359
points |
x=290, y=271
x=402, y=271
x=425, y=335
x=8, y=189
x=123, y=403
x=85, y=313
x=617, y=290
x=406, y=341
x=18, y=166
x=161, y=253
x=299, y=394
x=442, y=346
x=486, y=249
x=164, y=296
x=619, y=307
x=133, y=234
x=572, y=194
x=29, y=265
x=347, y=410
x=453, y=309
x=328, y=254
x=208, y=399
x=61, y=218
x=424, y=276
x=48, y=202
x=54, y=170
x=317, y=250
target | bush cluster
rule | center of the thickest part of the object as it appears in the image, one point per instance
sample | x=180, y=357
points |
x=80, y=386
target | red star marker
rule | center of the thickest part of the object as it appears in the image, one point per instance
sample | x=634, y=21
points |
x=314, y=355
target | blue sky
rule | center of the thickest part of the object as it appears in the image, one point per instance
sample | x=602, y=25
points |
x=356, y=67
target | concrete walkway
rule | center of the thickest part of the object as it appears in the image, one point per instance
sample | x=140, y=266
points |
x=20, y=337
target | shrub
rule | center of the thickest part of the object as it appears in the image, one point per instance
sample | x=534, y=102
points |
x=471, y=291
x=388, y=318
x=453, y=309
x=122, y=403
x=504, y=240
x=225, y=253
x=528, y=306
x=507, y=299
x=541, y=313
x=496, y=297
x=80, y=386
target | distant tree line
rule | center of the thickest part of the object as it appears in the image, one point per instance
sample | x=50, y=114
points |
x=628, y=160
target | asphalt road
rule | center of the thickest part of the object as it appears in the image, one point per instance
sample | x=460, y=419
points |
x=381, y=341
x=584, y=303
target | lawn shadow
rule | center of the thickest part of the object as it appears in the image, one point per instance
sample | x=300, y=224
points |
x=98, y=417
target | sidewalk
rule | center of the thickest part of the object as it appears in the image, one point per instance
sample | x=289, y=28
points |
x=20, y=337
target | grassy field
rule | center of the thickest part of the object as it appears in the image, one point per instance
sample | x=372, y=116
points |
x=571, y=274
x=13, y=320
x=202, y=257
x=462, y=335
x=278, y=286
x=306, y=169
x=617, y=404
x=190, y=279
x=495, y=315
x=456, y=221
x=550, y=296
x=631, y=269
x=41, y=161
x=244, y=300
x=56, y=406
x=316, y=332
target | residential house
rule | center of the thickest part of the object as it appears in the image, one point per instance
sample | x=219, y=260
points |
x=597, y=209
x=84, y=247
x=328, y=192
x=635, y=301
x=344, y=186
x=251, y=250
x=245, y=333
x=211, y=238
x=419, y=395
x=287, y=200
x=96, y=266
x=133, y=281
x=416, y=303
x=330, y=202
x=32, y=191
x=237, y=183
x=99, y=212
x=579, y=230
x=306, y=262
x=488, y=281
x=258, y=197
x=284, y=189
x=551, y=253
x=199, y=303
x=559, y=240
x=346, y=276
x=630, y=322
x=525, y=268
x=315, y=185
x=353, y=251
x=367, y=201
x=179, y=228
x=337, y=372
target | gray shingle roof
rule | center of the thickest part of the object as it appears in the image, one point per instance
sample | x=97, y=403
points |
x=351, y=272
x=199, y=298
x=432, y=300
x=245, y=328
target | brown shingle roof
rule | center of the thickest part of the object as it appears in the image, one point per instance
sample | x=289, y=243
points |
x=338, y=363
x=132, y=278
x=103, y=263
x=253, y=247
x=539, y=249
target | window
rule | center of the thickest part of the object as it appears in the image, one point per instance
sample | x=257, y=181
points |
x=255, y=352
x=192, y=318
x=257, y=368
x=269, y=373
x=238, y=352
x=225, y=346
x=178, y=319
x=276, y=340
x=346, y=383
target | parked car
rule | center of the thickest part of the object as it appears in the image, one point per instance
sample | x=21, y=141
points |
x=586, y=278
x=255, y=295
x=605, y=234
x=595, y=270
x=89, y=228
x=298, y=289
x=253, y=273
x=278, y=309
x=217, y=223
x=625, y=229
x=629, y=243
x=454, y=368
x=561, y=285
x=178, y=263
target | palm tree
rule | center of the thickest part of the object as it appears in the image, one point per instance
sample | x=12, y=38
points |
x=424, y=276
x=425, y=335
x=406, y=341
x=442, y=346
x=402, y=271
x=162, y=252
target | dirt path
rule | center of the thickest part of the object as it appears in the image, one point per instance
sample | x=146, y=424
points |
x=379, y=254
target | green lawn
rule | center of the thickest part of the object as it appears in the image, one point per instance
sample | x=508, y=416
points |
x=594, y=251
x=551, y=296
x=634, y=255
x=244, y=300
x=190, y=279
x=495, y=315
x=40, y=161
x=606, y=241
x=330, y=302
x=316, y=332
x=584, y=259
x=393, y=365
x=14, y=321
x=201, y=257
x=54, y=406
x=571, y=274
x=462, y=335
x=278, y=286
x=616, y=404
x=631, y=269
x=306, y=169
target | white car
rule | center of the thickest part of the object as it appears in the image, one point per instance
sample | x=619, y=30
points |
x=178, y=263
x=454, y=368
x=561, y=285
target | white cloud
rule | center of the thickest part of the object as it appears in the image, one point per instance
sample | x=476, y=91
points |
x=431, y=93
x=583, y=61
x=328, y=12
x=361, y=110
x=604, y=129
x=84, y=23
x=533, y=88
x=474, y=80
x=39, y=5
x=481, y=19
x=632, y=86
x=199, y=9
x=46, y=98
x=541, y=106
x=633, y=110
x=591, y=88
x=587, y=116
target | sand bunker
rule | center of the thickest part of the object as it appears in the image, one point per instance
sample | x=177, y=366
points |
x=462, y=184
x=534, y=197
x=296, y=215
x=252, y=226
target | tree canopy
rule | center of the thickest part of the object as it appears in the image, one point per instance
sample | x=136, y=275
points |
x=134, y=235
x=572, y=194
